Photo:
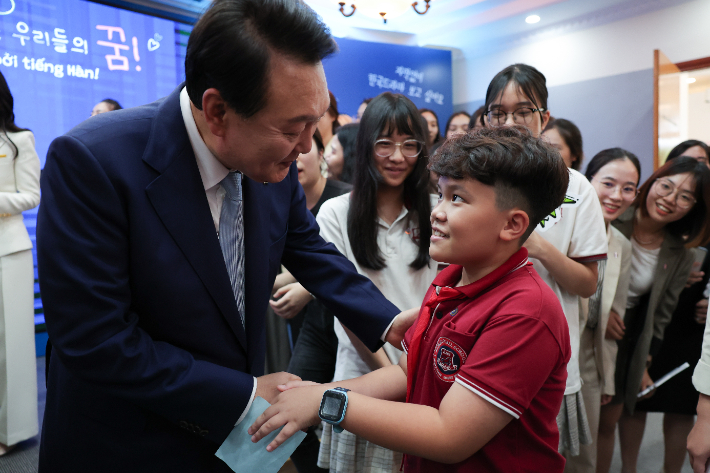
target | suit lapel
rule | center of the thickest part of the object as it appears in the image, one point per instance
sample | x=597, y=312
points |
x=668, y=260
x=179, y=199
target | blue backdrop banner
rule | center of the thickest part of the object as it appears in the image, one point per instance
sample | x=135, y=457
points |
x=362, y=70
x=60, y=57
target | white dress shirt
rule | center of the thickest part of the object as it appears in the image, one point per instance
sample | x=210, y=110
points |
x=212, y=172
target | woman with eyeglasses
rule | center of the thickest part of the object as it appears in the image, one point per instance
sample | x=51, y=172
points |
x=567, y=245
x=682, y=342
x=667, y=219
x=383, y=228
x=614, y=174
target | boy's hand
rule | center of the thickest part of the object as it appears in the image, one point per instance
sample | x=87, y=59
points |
x=296, y=384
x=295, y=409
x=267, y=385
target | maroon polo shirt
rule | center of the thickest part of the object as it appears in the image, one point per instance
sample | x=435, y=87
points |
x=507, y=342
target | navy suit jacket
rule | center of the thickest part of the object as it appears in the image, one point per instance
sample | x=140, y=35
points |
x=151, y=366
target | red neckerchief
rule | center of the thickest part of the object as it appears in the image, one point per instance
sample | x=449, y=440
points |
x=445, y=293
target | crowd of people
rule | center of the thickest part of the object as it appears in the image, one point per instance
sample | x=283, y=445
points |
x=468, y=298
x=617, y=253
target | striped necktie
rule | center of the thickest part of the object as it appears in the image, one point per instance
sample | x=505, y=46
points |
x=231, y=236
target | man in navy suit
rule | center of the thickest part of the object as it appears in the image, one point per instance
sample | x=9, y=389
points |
x=152, y=365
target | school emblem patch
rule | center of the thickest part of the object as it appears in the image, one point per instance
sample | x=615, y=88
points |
x=448, y=359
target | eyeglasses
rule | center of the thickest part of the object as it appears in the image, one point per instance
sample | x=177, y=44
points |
x=627, y=191
x=522, y=116
x=408, y=148
x=665, y=187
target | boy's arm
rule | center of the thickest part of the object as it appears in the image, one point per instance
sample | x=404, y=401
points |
x=394, y=425
x=576, y=278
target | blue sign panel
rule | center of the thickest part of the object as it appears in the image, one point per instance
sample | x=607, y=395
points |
x=362, y=70
x=60, y=57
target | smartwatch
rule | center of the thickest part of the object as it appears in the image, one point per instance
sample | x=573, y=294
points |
x=333, y=406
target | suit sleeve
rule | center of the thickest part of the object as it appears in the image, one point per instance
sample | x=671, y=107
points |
x=26, y=167
x=83, y=254
x=331, y=277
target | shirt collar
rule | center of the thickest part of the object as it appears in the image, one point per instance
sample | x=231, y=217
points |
x=450, y=276
x=403, y=213
x=211, y=170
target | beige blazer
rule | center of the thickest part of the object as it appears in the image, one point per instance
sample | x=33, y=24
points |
x=674, y=263
x=614, y=294
x=19, y=189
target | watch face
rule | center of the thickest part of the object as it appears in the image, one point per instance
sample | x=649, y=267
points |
x=332, y=406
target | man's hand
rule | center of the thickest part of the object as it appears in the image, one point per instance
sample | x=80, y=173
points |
x=290, y=299
x=295, y=409
x=699, y=438
x=606, y=399
x=615, y=328
x=266, y=386
x=701, y=312
x=399, y=327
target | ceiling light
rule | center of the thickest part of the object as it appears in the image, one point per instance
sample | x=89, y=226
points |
x=532, y=19
x=384, y=9
x=691, y=80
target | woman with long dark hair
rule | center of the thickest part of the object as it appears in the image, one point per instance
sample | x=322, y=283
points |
x=19, y=191
x=383, y=228
x=340, y=153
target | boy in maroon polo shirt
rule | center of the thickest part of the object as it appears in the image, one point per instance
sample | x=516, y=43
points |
x=484, y=369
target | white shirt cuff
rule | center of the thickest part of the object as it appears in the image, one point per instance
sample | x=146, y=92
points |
x=384, y=334
x=246, y=409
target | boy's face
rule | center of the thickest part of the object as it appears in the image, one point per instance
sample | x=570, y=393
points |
x=466, y=223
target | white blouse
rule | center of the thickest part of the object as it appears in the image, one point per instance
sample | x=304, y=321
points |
x=643, y=270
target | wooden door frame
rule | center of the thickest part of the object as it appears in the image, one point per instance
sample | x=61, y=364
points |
x=660, y=67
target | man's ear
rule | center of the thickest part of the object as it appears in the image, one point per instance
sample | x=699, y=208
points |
x=515, y=226
x=214, y=109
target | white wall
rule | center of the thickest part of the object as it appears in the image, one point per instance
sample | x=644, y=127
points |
x=682, y=32
x=699, y=116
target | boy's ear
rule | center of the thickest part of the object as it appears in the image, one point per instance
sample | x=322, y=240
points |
x=515, y=226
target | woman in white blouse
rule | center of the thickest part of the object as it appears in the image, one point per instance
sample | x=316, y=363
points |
x=383, y=228
x=19, y=191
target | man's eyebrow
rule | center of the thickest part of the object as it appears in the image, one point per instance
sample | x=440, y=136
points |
x=305, y=118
